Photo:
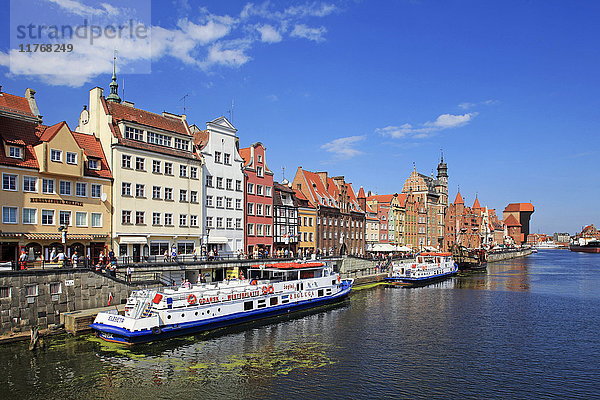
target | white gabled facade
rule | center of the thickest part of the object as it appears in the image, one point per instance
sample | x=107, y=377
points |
x=223, y=187
x=158, y=185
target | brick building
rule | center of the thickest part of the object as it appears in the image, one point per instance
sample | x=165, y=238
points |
x=516, y=217
x=258, y=235
x=340, y=219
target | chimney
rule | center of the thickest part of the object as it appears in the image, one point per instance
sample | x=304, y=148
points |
x=128, y=103
x=30, y=96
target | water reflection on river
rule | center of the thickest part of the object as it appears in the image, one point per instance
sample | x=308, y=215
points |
x=525, y=329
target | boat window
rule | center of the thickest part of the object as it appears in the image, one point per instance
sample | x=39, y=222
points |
x=328, y=291
x=261, y=303
x=273, y=301
x=333, y=281
x=248, y=305
x=320, y=292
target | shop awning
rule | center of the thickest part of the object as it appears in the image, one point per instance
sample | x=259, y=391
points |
x=133, y=240
x=384, y=247
x=403, y=248
x=217, y=240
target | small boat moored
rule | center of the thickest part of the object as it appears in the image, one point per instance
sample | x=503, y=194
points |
x=270, y=290
x=429, y=267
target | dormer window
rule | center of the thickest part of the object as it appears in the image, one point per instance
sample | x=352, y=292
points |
x=15, y=152
x=71, y=158
x=94, y=164
x=133, y=133
x=56, y=155
x=182, y=144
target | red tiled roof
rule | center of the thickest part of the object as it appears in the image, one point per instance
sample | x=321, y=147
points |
x=245, y=154
x=127, y=113
x=511, y=221
x=16, y=104
x=476, y=204
x=381, y=198
x=459, y=199
x=92, y=148
x=402, y=199
x=521, y=207
x=51, y=131
x=316, y=188
x=201, y=138
x=22, y=133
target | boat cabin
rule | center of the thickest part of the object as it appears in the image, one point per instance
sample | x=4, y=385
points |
x=288, y=271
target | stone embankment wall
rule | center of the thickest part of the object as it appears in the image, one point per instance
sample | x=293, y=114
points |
x=37, y=298
x=506, y=255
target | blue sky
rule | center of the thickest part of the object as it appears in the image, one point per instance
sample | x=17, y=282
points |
x=508, y=89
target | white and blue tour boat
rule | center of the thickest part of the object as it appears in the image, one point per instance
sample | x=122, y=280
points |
x=270, y=290
x=428, y=267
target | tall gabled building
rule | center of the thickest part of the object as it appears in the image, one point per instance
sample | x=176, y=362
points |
x=259, y=200
x=426, y=204
x=223, y=186
x=157, y=176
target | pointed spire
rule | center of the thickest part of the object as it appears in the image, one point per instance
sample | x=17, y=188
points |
x=114, y=86
x=459, y=199
x=361, y=193
x=476, y=205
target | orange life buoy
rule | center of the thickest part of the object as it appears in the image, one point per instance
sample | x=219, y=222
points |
x=192, y=299
x=339, y=278
x=265, y=290
x=271, y=289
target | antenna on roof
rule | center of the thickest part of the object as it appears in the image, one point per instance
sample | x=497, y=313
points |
x=283, y=173
x=231, y=112
x=123, y=89
x=184, y=99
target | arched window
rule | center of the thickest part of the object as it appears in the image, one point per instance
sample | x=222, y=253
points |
x=34, y=251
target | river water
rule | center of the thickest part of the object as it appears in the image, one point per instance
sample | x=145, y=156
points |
x=528, y=328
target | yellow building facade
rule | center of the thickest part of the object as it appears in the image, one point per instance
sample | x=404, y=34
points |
x=55, y=191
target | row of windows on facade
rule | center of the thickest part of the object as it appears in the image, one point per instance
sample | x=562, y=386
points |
x=157, y=138
x=258, y=230
x=334, y=235
x=334, y=222
x=229, y=223
x=157, y=218
x=55, y=156
x=159, y=167
x=158, y=193
x=30, y=184
x=228, y=183
x=29, y=216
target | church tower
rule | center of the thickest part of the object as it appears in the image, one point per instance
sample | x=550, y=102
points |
x=114, y=86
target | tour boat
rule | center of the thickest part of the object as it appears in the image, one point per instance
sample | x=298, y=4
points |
x=428, y=267
x=270, y=290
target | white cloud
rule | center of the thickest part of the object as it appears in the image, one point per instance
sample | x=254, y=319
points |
x=468, y=105
x=343, y=148
x=200, y=39
x=272, y=97
x=269, y=34
x=444, y=121
x=76, y=7
x=306, y=32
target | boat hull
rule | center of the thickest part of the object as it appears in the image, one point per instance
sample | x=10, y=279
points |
x=585, y=249
x=421, y=281
x=124, y=336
